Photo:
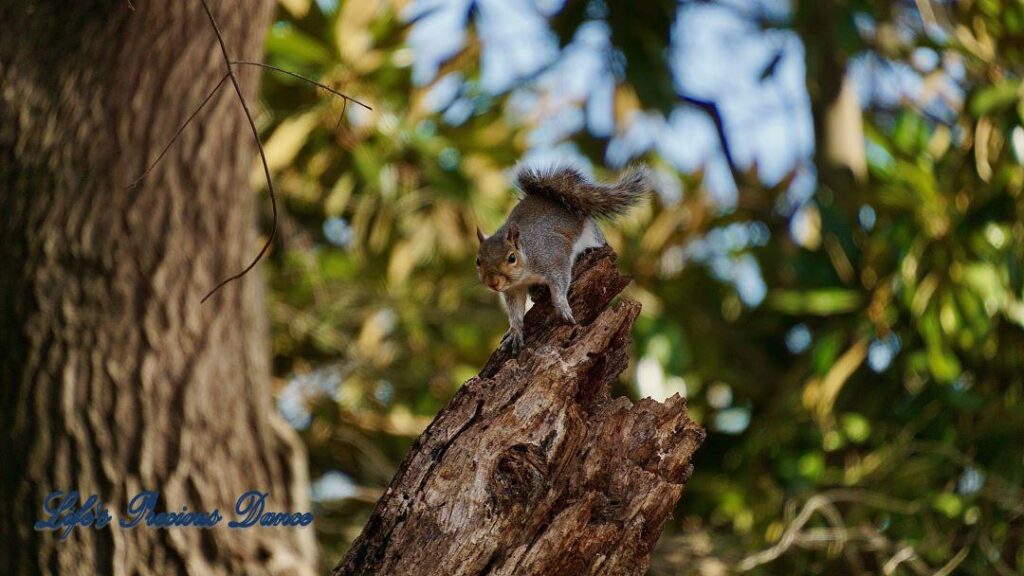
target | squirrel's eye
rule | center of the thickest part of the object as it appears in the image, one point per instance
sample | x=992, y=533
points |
x=478, y=261
x=511, y=258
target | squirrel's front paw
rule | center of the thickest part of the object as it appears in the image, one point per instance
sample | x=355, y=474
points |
x=515, y=338
x=565, y=313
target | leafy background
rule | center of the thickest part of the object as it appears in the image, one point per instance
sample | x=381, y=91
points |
x=831, y=269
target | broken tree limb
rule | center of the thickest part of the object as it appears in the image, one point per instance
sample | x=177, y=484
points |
x=533, y=468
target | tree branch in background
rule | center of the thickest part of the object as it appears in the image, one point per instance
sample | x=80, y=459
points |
x=710, y=107
x=230, y=75
x=838, y=536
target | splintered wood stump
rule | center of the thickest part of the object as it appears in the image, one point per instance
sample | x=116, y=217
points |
x=533, y=469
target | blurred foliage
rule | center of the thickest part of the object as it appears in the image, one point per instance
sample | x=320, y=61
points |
x=865, y=415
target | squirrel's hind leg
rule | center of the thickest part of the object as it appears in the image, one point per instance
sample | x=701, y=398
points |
x=558, y=284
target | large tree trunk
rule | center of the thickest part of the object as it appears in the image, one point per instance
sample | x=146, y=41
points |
x=533, y=469
x=115, y=378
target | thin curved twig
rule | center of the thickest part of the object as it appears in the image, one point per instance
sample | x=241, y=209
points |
x=259, y=146
x=822, y=503
x=303, y=78
x=344, y=107
x=953, y=563
x=230, y=75
x=177, y=134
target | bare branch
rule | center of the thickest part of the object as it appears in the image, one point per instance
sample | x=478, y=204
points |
x=303, y=78
x=955, y=561
x=823, y=503
x=230, y=75
x=710, y=108
x=259, y=146
x=177, y=134
x=344, y=107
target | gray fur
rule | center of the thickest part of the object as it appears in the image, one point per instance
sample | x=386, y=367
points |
x=545, y=233
x=578, y=194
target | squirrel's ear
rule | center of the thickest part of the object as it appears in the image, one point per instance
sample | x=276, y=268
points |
x=512, y=235
x=480, y=235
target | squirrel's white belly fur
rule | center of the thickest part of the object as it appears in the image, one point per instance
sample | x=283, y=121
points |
x=591, y=237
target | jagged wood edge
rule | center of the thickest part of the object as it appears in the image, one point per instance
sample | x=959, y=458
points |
x=596, y=273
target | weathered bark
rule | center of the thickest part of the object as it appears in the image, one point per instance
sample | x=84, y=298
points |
x=115, y=379
x=533, y=468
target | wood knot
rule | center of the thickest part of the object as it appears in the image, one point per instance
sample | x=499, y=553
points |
x=519, y=475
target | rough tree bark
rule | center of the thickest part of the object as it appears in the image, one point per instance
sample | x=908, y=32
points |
x=533, y=469
x=114, y=378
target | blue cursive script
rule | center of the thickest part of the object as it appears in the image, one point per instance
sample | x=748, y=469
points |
x=143, y=507
x=64, y=514
x=251, y=504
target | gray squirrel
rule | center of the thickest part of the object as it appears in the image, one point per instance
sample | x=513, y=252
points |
x=553, y=224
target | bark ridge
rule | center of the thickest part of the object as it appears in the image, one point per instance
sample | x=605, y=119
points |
x=114, y=379
x=533, y=468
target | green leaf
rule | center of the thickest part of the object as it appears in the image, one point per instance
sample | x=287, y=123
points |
x=821, y=302
x=993, y=98
x=287, y=43
x=942, y=362
x=812, y=465
x=910, y=134
x=856, y=427
x=948, y=503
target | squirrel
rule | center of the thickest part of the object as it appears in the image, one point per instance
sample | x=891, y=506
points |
x=553, y=223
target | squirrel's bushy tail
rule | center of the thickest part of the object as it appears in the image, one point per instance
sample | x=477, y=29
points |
x=572, y=189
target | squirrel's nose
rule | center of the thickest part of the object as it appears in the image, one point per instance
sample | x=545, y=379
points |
x=494, y=282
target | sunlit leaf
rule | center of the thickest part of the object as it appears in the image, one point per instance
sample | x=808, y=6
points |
x=992, y=98
x=284, y=144
x=821, y=302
